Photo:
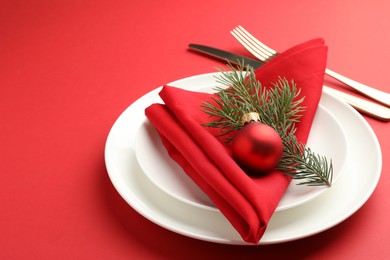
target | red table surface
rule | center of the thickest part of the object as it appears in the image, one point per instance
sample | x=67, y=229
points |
x=69, y=68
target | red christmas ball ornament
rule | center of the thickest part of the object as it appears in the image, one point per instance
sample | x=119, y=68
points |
x=257, y=148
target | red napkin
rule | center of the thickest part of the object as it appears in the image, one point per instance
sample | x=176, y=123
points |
x=247, y=202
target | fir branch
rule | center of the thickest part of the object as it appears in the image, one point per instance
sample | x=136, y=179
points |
x=278, y=107
x=301, y=163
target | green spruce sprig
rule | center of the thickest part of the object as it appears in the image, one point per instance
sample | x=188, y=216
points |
x=278, y=107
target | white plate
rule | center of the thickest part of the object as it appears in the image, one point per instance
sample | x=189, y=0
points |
x=326, y=138
x=355, y=186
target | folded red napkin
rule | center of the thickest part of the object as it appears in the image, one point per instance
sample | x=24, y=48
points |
x=247, y=202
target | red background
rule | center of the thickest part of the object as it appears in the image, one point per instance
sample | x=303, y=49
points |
x=69, y=68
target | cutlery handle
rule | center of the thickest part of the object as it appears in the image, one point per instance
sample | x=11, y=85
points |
x=375, y=94
x=364, y=106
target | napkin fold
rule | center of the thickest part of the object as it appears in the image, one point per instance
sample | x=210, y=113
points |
x=247, y=202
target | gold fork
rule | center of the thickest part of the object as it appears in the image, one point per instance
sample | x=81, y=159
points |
x=265, y=53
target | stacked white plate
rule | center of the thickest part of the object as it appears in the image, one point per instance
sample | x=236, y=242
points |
x=156, y=187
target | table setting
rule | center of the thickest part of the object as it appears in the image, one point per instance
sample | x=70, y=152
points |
x=157, y=115
x=221, y=147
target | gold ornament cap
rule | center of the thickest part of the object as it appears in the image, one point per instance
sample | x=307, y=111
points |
x=248, y=117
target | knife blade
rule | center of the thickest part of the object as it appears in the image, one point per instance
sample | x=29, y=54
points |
x=364, y=106
x=225, y=55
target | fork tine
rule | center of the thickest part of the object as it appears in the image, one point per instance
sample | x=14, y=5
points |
x=248, y=45
x=265, y=48
x=251, y=44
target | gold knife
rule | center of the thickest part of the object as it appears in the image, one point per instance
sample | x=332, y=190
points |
x=364, y=106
